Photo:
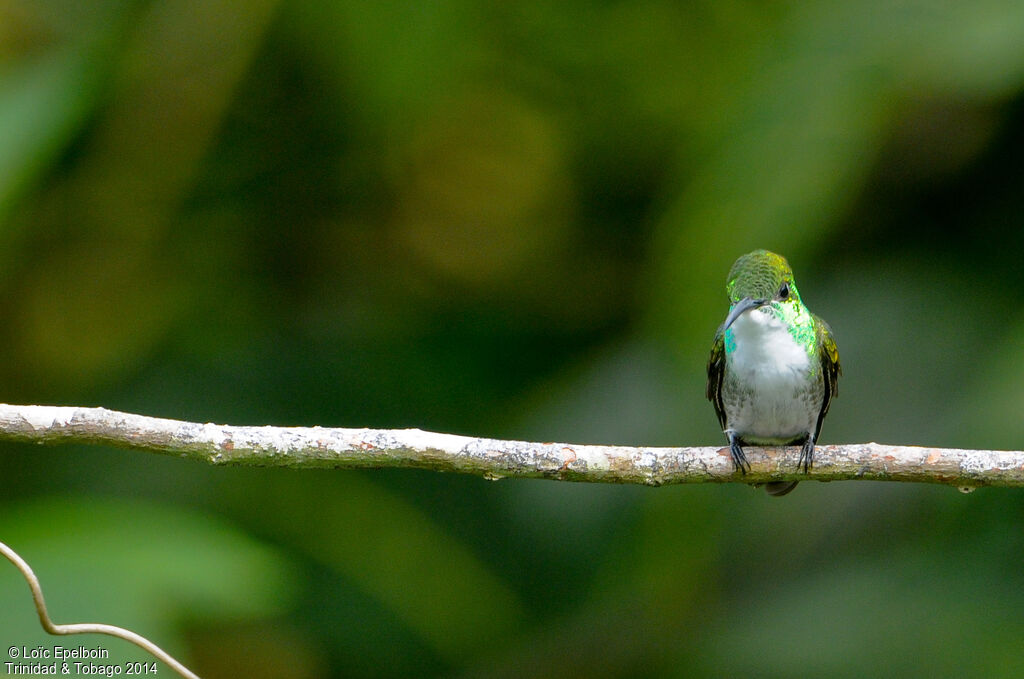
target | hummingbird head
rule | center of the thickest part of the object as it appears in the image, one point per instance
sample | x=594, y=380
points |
x=761, y=278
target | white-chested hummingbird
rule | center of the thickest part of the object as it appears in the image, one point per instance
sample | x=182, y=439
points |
x=774, y=365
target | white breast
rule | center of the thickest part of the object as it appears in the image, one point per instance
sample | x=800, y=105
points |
x=770, y=394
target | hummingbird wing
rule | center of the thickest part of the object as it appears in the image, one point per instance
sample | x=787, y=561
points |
x=830, y=367
x=716, y=369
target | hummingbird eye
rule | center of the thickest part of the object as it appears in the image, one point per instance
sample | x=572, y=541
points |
x=784, y=291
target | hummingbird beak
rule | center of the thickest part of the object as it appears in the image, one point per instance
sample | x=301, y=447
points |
x=740, y=307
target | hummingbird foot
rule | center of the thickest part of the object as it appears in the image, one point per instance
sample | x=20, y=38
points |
x=806, y=455
x=739, y=460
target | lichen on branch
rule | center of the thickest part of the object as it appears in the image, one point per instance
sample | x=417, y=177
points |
x=342, y=448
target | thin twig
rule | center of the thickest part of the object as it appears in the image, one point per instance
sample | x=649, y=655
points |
x=318, y=447
x=88, y=627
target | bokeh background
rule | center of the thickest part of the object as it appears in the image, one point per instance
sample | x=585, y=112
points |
x=509, y=220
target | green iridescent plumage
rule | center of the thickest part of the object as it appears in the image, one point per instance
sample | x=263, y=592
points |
x=774, y=365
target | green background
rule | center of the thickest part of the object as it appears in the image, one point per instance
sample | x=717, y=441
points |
x=510, y=220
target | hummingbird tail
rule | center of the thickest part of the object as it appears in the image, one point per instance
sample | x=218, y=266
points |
x=779, y=488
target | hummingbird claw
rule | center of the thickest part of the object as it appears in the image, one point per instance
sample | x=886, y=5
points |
x=806, y=455
x=739, y=460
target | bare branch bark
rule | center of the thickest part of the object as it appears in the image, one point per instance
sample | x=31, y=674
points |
x=320, y=447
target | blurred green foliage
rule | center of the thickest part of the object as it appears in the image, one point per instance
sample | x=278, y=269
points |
x=509, y=220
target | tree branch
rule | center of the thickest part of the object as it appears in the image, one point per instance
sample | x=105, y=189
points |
x=318, y=447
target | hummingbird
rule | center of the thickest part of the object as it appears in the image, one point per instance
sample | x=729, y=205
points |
x=774, y=365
